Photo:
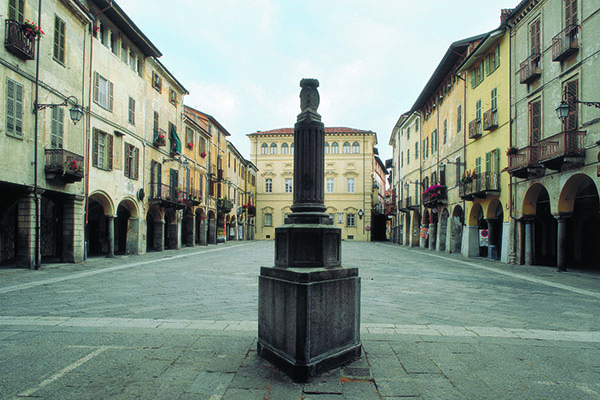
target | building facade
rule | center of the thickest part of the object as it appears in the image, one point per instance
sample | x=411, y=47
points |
x=554, y=169
x=43, y=151
x=349, y=173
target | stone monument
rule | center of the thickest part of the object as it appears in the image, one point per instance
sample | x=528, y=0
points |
x=308, y=304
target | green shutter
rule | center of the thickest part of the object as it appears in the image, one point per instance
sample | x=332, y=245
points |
x=110, y=152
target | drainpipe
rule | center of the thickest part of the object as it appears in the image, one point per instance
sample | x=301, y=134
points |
x=35, y=147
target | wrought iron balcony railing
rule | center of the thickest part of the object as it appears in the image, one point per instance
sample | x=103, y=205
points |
x=433, y=195
x=554, y=150
x=525, y=158
x=565, y=43
x=168, y=196
x=17, y=41
x=64, y=165
x=475, y=129
x=490, y=120
x=480, y=186
x=531, y=68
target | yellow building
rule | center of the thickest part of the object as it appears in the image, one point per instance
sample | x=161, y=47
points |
x=349, y=173
x=487, y=111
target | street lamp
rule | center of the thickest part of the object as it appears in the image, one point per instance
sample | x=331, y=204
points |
x=562, y=111
x=75, y=112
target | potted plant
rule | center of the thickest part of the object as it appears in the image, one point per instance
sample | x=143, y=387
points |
x=160, y=139
x=31, y=30
x=73, y=167
x=512, y=150
x=203, y=154
x=190, y=145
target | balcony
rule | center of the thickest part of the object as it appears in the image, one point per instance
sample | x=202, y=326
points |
x=63, y=165
x=566, y=43
x=159, y=138
x=17, y=41
x=490, y=120
x=168, y=196
x=531, y=69
x=524, y=164
x=475, y=129
x=408, y=204
x=434, y=195
x=195, y=197
x=224, y=206
x=565, y=150
x=480, y=187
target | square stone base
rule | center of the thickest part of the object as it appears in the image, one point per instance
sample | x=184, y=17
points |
x=308, y=319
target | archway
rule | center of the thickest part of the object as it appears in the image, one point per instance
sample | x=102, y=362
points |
x=100, y=215
x=9, y=235
x=481, y=233
x=200, y=227
x=154, y=229
x=456, y=229
x=544, y=231
x=121, y=225
x=425, y=229
x=170, y=229
x=579, y=209
x=495, y=219
x=232, y=229
x=407, y=229
x=187, y=227
x=443, y=224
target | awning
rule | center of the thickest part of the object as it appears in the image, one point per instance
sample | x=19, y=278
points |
x=177, y=146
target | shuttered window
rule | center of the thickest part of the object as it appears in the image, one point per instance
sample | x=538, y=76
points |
x=570, y=90
x=14, y=108
x=535, y=121
x=570, y=12
x=103, y=92
x=132, y=157
x=102, y=152
x=131, y=111
x=57, y=128
x=534, y=37
x=15, y=10
x=59, y=40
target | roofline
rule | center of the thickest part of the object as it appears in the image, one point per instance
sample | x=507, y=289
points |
x=124, y=23
x=210, y=117
x=435, y=80
x=189, y=119
x=482, y=47
x=235, y=149
x=171, y=75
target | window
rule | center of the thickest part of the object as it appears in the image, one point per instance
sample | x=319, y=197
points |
x=434, y=140
x=407, y=156
x=189, y=137
x=492, y=61
x=14, y=108
x=155, y=122
x=350, y=185
x=402, y=159
x=346, y=148
x=124, y=52
x=172, y=97
x=103, y=92
x=478, y=110
x=59, y=40
x=459, y=118
x=292, y=148
x=494, y=96
x=102, y=150
x=458, y=171
x=269, y=185
x=16, y=10
x=335, y=148
x=114, y=43
x=445, y=131
x=355, y=148
x=132, y=60
x=570, y=12
x=202, y=146
x=326, y=148
x=156, y=82
x=425, y=147
x=57, y=128
x=416, y=125
x=288, y=185
x=416, y=150
x=340, y=218
x=268, y=219
x=285, y=148
x=535, y=121
x=131, y=111
x=264, y=149
x=408, y=133
x=570, y=90
x=273, y=148
x=350, y=220
x=534, y=38
x=132, y=158
x=329, y=185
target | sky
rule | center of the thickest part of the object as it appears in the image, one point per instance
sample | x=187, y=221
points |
x=242, y=60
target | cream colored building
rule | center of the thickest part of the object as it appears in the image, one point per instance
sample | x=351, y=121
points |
x=349, y=169
x=42, y=151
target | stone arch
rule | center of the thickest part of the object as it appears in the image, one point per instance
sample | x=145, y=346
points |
x=212, y=227
x=104, y=200
x=531, y=197
x=200, y=229
x=187, y=227
x=492, y=209
x=456, y=229
x=170, y=229
x=126, y=229
x=154, y=229
x=569, y=191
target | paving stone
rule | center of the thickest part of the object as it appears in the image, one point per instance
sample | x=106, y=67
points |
x=327, y=383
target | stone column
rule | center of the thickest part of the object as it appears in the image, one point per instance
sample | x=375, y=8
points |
x=308, y=306
x=203, y=232
x=561, y=243
x=111, y=235
x=432, y=236
x=73, y=230
x=26, y=231
x=528, y=241
x=492, y=239
x=133, y=236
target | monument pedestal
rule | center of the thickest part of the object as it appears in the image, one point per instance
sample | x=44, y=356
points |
x=308, y=319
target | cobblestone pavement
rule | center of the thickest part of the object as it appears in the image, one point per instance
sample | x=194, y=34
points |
x=182, y=325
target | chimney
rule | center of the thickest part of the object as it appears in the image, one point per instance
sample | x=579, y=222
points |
x=504, y=14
